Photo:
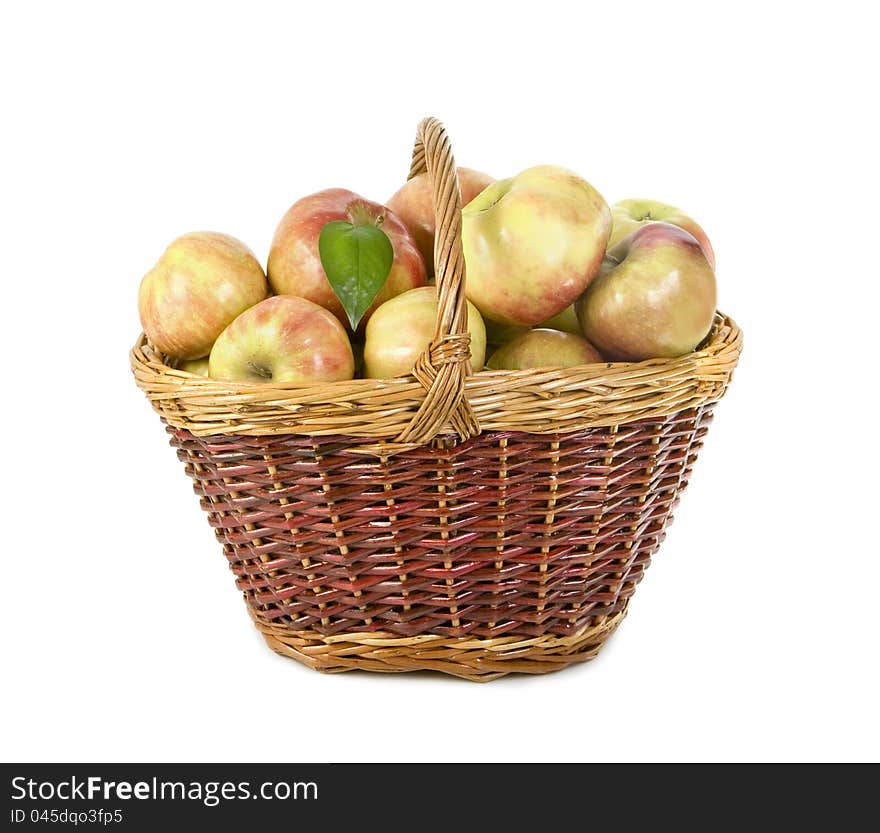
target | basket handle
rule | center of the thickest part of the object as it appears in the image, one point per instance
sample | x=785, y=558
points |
x=445, y=364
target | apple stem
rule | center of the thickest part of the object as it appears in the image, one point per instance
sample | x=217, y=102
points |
x=360, y=215
x=259, y=370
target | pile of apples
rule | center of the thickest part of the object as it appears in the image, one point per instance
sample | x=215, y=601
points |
x=554, y=278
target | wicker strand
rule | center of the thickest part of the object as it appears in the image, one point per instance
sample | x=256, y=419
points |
x=442, y=368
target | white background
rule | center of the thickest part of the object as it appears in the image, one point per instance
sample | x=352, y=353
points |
x=754, y=635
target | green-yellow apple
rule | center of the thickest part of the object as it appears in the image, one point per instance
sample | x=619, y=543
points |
x=283, y=339
x=413, y=203
x=543, y=348
x=402, y=328
x=533, y=243
x=198, y=367
x=566, y=321
x=200, y=284
x=628, y=215
x=654, y=298
x=294, y=265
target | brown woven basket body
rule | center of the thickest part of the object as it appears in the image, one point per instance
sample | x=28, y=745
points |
x=472, y=524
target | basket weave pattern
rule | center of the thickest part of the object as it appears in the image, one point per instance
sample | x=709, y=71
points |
x=472, y=524
x=508, y=533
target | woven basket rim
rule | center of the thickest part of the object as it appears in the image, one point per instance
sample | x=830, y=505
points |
x=724, y=333
x=537, y=400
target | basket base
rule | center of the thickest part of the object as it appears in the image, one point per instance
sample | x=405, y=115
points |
x=479, y=660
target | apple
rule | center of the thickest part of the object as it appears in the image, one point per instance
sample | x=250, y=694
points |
x=500, y=333
x=533, y=243
x=414, y=204
x=200, y=284
x=403, y=327
x=294, y=265
x=654, y=298
x=566, y=321
x=283, y=339
x=198, y=367
x=628, y=215
x=543, y=348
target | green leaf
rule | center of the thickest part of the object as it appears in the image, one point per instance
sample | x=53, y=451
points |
x=356, y=260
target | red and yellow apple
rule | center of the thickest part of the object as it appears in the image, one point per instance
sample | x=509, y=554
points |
x=543, y=348
x=401, y=329
x=655, y=296
x=413, y=203
x=294, y=265
x=532, y=244
x=200, y=284
x=628, y=215
x=283, y=339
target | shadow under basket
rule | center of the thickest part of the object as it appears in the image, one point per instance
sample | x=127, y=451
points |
x=472, y=524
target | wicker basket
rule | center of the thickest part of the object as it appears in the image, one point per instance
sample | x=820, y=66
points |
x=474, y=524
